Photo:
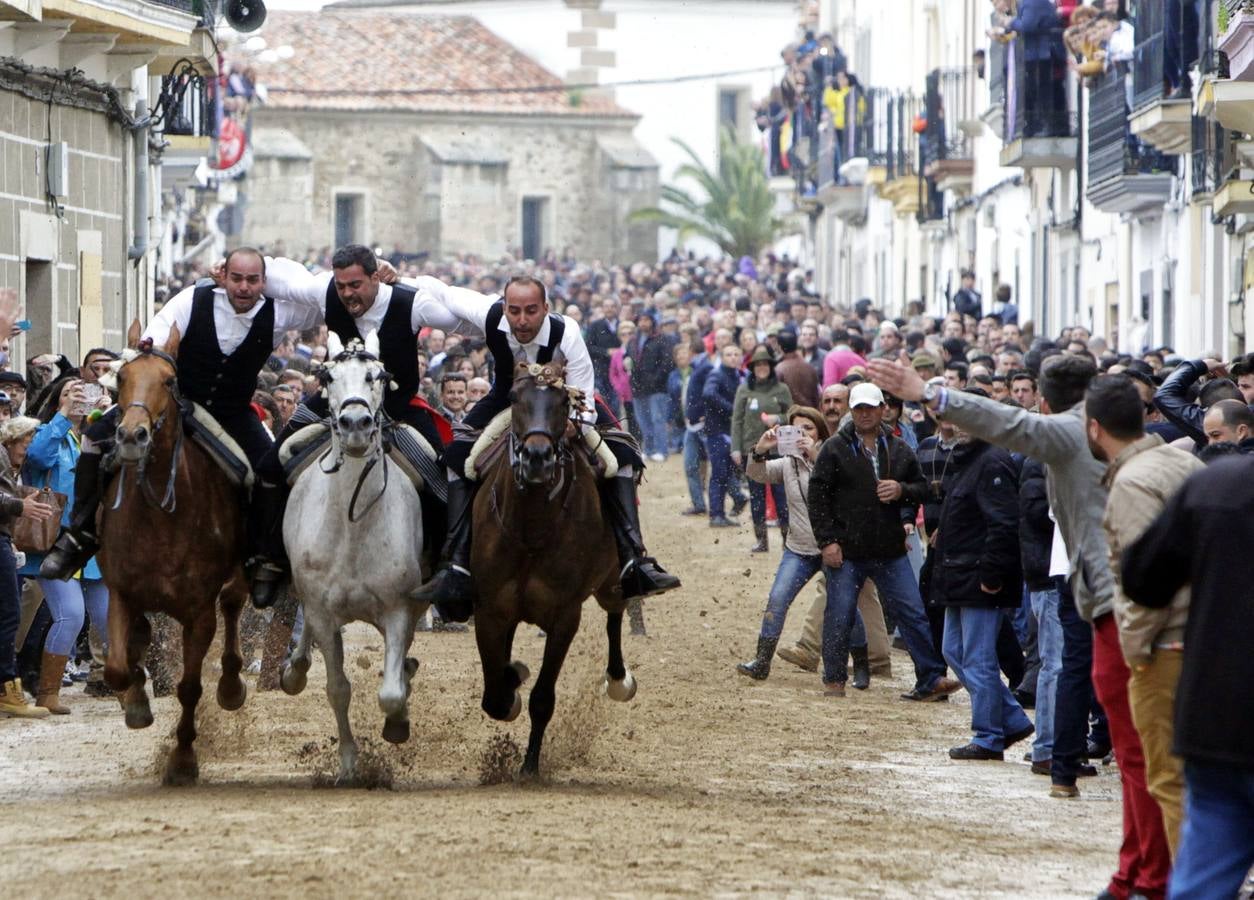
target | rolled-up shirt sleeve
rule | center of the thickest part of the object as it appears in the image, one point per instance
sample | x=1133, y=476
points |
x=289, y=281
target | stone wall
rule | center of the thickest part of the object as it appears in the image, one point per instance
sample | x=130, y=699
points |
x=79, y=256
x=415, y=198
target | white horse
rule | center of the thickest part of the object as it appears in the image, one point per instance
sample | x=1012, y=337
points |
x=353, y=531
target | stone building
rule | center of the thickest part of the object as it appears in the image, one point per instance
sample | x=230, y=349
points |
x=426, y=140
x=77, y=233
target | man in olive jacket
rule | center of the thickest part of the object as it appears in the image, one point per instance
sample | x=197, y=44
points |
x=866, y=484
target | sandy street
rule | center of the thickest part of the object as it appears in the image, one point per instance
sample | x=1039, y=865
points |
x=705, y=784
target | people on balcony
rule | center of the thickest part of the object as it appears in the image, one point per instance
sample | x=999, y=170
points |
x=1041, y=96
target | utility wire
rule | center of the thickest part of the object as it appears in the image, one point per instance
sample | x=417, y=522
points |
x=527, y=89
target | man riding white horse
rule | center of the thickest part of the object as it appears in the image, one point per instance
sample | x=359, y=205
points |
x=519, y=327
x=227, y=335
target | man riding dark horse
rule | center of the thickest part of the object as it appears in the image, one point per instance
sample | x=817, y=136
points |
x=227, y=333
x=519, y=327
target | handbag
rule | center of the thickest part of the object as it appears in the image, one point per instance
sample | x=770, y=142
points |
x=34, y=535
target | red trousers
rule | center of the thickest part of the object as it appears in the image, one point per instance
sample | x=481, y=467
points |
x=1144, y=859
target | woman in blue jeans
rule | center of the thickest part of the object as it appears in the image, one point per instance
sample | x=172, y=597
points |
x=801, y=559
x=49, y=462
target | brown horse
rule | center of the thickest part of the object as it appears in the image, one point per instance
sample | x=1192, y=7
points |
x=541, y=548
x=172, y=541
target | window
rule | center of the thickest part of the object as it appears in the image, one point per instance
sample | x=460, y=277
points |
x=729, y=109
x=348, y=219
x=535, y=215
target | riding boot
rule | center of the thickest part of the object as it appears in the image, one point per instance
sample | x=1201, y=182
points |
x=49, y=694
x=641, y=576
x=267, y=562
x=759, y=532
x=77, y=543
x=861, y=668
x=452, y=590
x=760, y=667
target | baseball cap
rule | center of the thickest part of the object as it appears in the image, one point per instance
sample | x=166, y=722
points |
x=865, y=394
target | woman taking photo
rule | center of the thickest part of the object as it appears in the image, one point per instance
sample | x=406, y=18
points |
x=15, y=437
x=49, y=461
x=801, y=559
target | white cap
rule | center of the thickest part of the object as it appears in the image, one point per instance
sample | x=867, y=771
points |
x=865, y=394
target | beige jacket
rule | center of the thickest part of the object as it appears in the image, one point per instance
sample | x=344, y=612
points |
x=1140, y=481
x=794, y=473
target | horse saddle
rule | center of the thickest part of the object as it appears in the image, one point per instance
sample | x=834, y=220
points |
x=493, y=441
x=406, y=448
x=223, y=449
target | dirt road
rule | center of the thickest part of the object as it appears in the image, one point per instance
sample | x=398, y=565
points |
x=704, y=784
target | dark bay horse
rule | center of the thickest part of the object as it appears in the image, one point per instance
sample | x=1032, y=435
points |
x=541, y=548
x=171, y=541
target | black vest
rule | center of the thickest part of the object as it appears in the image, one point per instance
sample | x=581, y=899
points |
x=208, y=376
x=398, y=349
x=503, y=356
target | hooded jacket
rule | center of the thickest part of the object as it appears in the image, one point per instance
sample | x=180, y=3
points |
x=844, y=508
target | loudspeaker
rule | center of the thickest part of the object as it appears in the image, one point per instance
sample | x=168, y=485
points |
x=245, y=15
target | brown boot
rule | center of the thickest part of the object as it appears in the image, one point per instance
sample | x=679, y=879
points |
x=14, y=703
x=51, y=668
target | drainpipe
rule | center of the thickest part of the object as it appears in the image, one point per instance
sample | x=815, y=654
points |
x=139, y=214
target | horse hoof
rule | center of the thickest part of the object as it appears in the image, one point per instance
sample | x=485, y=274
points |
x=292, y=680
x=522, y=671
x=181, y=773
x=621, y=691
x=396, y=731
x=516, y=710
x=138, y=717
x=232, y=696
x=411, y=667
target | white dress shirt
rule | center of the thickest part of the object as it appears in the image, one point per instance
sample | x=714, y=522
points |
x=232, y=327
x=472, y=308
x=287, y=279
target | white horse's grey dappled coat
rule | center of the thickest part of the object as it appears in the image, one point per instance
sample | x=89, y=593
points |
x=368, y=570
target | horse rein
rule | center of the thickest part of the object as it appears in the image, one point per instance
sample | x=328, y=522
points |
x=169, y=501
x=378, y=452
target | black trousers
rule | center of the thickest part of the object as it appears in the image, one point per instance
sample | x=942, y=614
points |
x=10, y=610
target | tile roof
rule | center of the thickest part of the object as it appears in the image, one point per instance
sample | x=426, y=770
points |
x=365, y=60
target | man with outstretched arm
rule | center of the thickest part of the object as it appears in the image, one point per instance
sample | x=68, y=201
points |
x=518, y=327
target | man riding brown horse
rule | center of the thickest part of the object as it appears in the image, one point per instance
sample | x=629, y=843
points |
x=228, y=334
x=519, y=328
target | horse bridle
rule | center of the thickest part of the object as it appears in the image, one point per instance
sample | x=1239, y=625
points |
x=544, y=377
x=378, y=453
x=169, y=501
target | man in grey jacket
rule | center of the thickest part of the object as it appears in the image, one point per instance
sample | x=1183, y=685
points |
x=1074, y=479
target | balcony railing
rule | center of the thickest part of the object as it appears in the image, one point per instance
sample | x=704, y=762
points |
x=185, y=105
x=1212, y=159
x=192, y=7
x=1113, y=152
x=1158, y=46
x=1036, y=100
x=950, y=101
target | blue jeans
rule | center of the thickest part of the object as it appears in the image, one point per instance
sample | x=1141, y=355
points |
x=694, y=452
x=653, y=412
x=757, y=502
x=900, y=592
x=68, y=601
x=1217, y=841
x=971, y=651
x=794, y=573
x=1074, y=695
x=1049, y=647
x=718, y=446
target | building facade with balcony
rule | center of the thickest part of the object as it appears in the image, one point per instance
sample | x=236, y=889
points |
x=81, y=146
x=1119, y=200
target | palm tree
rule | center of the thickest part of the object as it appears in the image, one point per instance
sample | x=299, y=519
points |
x=738, y=210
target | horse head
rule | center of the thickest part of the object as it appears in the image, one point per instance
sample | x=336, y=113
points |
x=148, y=395
x=541, y=409
x=353, y=381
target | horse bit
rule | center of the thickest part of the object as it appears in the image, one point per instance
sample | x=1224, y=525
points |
x=168, y=502
x=380, y=449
